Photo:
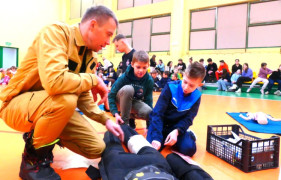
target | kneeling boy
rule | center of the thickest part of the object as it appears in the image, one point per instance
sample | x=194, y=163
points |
x=132, y=92
x=175, y=110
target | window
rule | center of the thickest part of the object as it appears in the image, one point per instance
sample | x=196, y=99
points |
x=259, y=36
x=141, y=34
x=8, y=57
x=233, y=26
x=149, y=34
x=160, y=35
x=202, y=40
x=125, y=28
x=265, y=24
x=202, y=32
x=123, y=4
x=79, y=7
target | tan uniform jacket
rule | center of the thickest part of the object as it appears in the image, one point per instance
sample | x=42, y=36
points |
x=54, y=63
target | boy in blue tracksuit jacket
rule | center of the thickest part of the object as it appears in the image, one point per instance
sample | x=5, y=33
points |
x=132, y=92
x=175, y=110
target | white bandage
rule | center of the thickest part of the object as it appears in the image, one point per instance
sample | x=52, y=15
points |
x=137, y=142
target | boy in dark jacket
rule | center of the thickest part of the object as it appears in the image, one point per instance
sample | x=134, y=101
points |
x=164, y=80
x=175, y=110
x=155, y=79
x=211, y=69
x=132, y=92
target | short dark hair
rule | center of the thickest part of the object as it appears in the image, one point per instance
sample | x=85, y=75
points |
x=180, y=59
x=209, y=60
x=201, y=60
x=100, y=13
x=176, y=75
x=195, y=71
x=166, y=73
x=263, y=64
x=222, y=61
x=140, y=56
x=237, y=60
x=118, y=37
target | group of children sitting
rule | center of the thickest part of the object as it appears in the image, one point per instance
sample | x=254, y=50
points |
x=6, y=75
x=233, y=82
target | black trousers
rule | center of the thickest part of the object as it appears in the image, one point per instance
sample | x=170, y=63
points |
x=242, y=79
x=186, y=171
x=115, y=163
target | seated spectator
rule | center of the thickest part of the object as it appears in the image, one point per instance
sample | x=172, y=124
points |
x=158, y=74
x=152, y=63
x=9, y=73
x=275, y=77
x=106, y=64
x=190, y=61
x=170, y=68
x=112, y=76
x=13, y=70
x=219, y=72
x=224, y=80
x=175, y=77
x=103, y=77
x=160, y=66
x=155, y=79
x=211, y=69
x=95, y=97
x=164, y=80
x=236, y=66
x=235, y=77
x=99, y=66
x=119, y=69
x=181, y=66
x=5, y=78
x=201, y=61
x=247, y=75
x=262, y=77
x=176, y=71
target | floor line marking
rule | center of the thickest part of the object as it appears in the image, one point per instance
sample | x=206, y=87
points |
x=240, y=97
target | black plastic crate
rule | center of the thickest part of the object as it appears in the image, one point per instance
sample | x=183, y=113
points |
x=248, y=154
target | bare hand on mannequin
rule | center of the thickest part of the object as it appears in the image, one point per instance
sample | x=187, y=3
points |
x=115, y=129
x=172, y=138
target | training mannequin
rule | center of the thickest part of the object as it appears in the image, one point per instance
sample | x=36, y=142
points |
x=142, y=162
x=260, y=117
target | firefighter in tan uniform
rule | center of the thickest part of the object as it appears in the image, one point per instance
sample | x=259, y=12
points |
x=54, y=78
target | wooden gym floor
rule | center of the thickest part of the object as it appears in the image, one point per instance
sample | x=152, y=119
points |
x=212, y=111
